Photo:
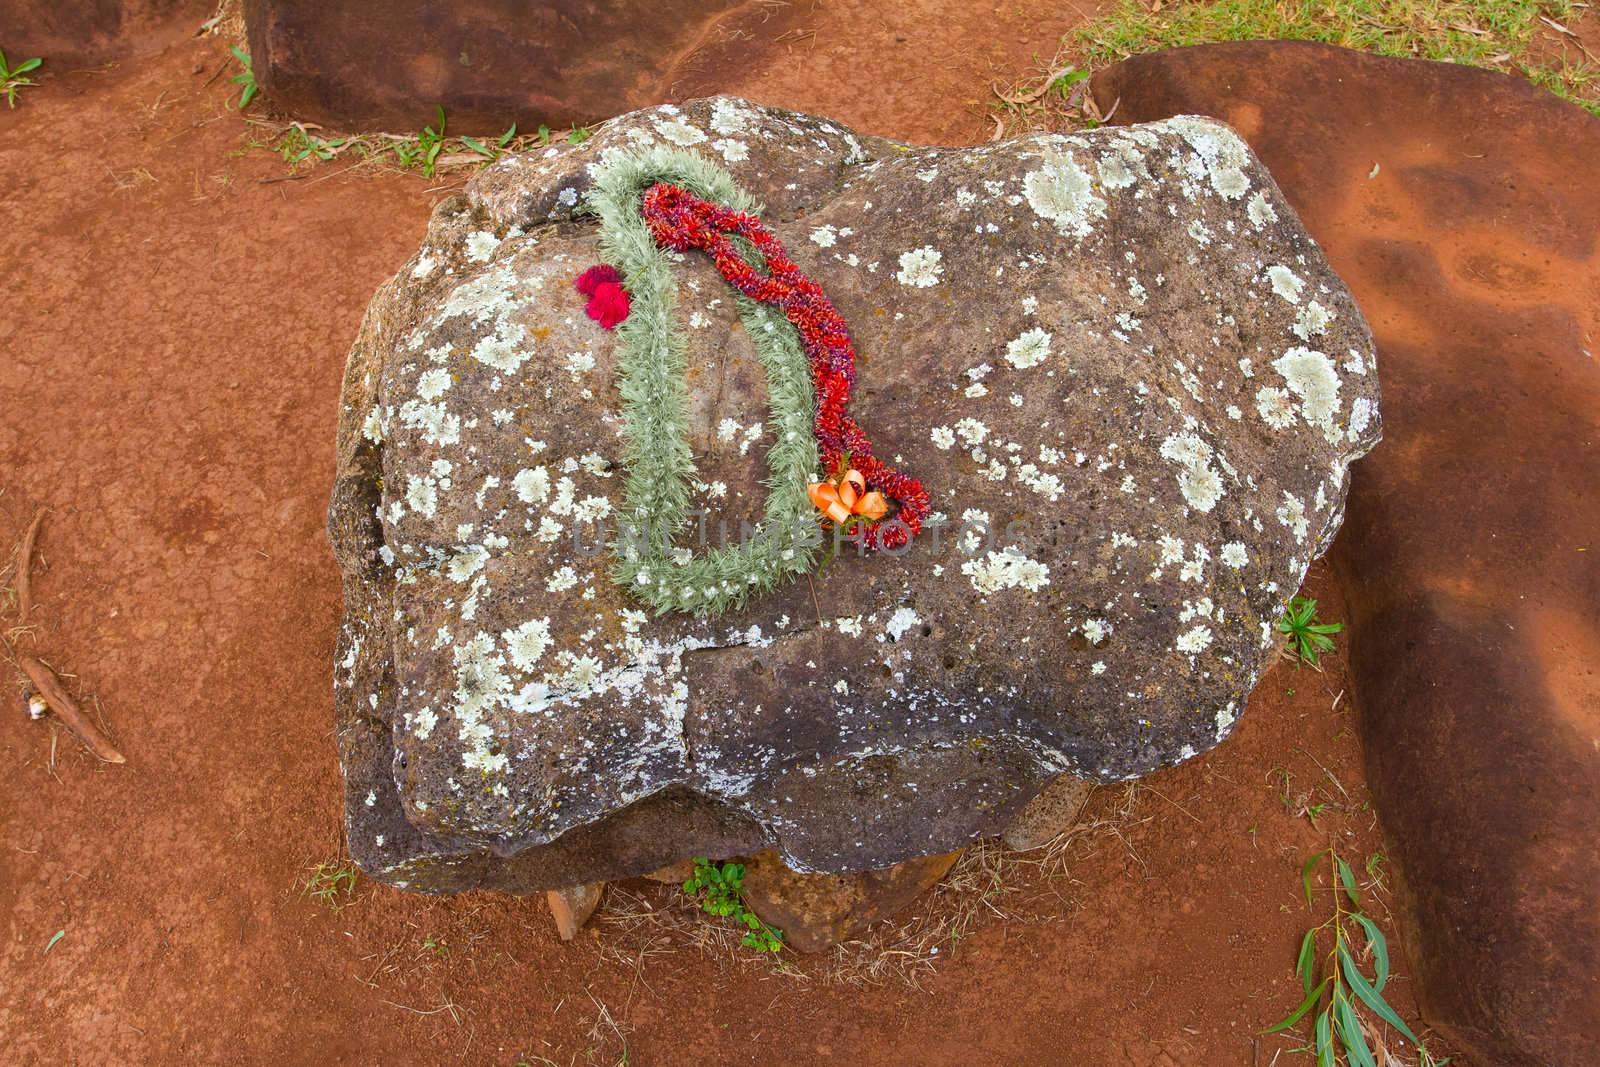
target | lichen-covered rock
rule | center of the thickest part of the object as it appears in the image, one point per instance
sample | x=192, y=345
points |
x=1129, y=380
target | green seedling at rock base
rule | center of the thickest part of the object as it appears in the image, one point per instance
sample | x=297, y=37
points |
x=1308, y=639
x=486, y=151
x=14, y=78
x=423, y=150
x=719, y=888
x=331, y=884
x=246, y=80
x=1348, y=999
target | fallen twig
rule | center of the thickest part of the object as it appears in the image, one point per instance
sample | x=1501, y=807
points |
x=24, y=565
x=66, y=709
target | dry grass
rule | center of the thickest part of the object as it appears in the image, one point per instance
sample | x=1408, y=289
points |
x=988, y=884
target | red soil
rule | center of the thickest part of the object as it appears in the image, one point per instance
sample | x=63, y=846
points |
x=175, y=329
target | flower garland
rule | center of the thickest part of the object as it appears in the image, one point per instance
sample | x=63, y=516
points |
x=667, y=197
x=680, y=220
x=651, y=360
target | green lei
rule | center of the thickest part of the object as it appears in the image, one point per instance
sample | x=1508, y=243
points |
x=655, y=407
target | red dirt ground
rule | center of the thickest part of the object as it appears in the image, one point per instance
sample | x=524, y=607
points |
x=174, y=333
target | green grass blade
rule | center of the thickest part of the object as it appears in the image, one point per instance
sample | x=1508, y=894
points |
x=1347, y=876
x=1355, y=1042
x=1380, y=951
x=27, y=65
x=507, y=137
x=1324, y=1039
x=1370, y=997
x=1296, y=1015
x=1305, y=965
x=1305, y=873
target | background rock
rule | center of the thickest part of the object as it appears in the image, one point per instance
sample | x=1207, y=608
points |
x=572, y=906
x=1114, y=339
x=1048, y=815
x=488, y=62
x=1463, y=207
x=63, y=34
x=817, y=911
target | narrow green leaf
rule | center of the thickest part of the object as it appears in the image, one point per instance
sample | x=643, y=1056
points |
x=1348, y=877
x=1370, y=997
x=438, y=109
x=1380, y=950
x=1305, y=873
x=1355, y=1042
x=1324, y=1036
x=1296, y=1015
x=507, y=137
x=59, y=934
x=1305, y=966
x=27, y=65
x=478, y=147
x=240, y=54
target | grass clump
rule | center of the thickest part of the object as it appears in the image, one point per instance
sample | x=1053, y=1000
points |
x=13, y=79
x=428, y=152
x=1308, y=638
x=332, y=885
x=1500, y=35
x=245, y=79
x=720, y=890
x=1346, y=1001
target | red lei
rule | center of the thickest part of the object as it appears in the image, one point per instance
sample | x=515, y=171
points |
x=679, y=220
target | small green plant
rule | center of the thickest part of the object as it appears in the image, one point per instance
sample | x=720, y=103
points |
x=1308, y=638
x=579, y=134
x=436, y=945
x=332, y=885
x=720, y=888
x=1340, y=985
x=299, y=145
x=14, y=78
x=245, y=79
x=491, y=153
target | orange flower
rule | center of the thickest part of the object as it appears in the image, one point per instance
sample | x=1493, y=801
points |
x=840, y=498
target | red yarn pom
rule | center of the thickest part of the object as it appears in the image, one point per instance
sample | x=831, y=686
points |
x=610, y=304
x=591, y=280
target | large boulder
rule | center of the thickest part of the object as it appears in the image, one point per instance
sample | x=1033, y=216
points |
x=1464, y=209
x=1129, y=380
x=486, y=62
x=64, y=35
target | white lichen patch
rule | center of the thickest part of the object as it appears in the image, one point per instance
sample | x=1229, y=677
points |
x=1311, y=377
x=681, y=133
x=1261, y=211
x=480, y=246
x=920, y=268
x=1006, y=569
x=1028, y=350
x=1285, y=282
x=1198, y=480
x=1194, y=640
x=1063, y=192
